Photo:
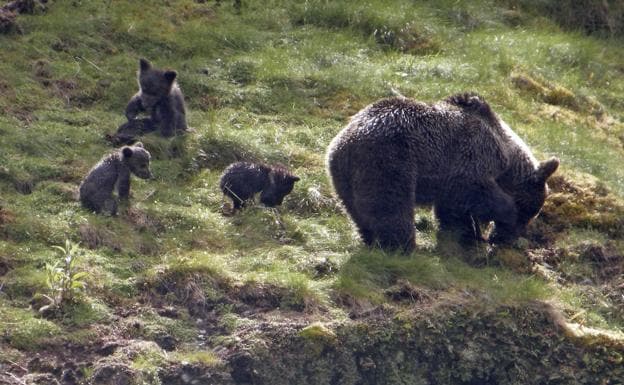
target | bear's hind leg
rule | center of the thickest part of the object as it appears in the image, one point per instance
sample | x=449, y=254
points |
x=387, y=208
x=367, y=235
x=397, y=233
x=110, y=206
x=392, y=227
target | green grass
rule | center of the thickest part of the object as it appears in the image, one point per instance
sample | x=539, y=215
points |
x=24, y=330
x=273, y=84
x=367, y=274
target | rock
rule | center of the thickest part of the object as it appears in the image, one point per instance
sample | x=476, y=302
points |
x=40, y=379
x=107, y=372
x=38, y=365
x=169, y=312
x=166, y=342
x=193, y=374
x=69, y=377
x=108, y=348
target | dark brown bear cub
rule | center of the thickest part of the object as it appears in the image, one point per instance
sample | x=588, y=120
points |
x=242, y=180
x=456, y=155
x=96, y=190
x=160, y=96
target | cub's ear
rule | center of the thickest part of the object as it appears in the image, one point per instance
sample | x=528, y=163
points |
x=144, y=64
x=295, y=178
x=126, y=152
x=170, y=76
x=546, y=169
x=138, y=144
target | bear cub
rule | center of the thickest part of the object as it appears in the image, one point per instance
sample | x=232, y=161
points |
x=96, y=190
x=159, y=96
x=242, y=180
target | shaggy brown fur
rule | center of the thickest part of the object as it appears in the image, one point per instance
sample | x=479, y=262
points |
x=96, y=190
x=456, y=155
x=161, y=97
x=242, y=180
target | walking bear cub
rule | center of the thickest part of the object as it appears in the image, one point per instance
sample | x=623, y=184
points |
x=160, y=96
x=96, y=190
x=242, y=180
x=456, y=155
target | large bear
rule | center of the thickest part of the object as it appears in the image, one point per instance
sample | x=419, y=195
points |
x=456, y=155
x=113, y=171
x=160, y=96
x=242, y=180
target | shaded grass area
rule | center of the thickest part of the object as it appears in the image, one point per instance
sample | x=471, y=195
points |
x=275, y=83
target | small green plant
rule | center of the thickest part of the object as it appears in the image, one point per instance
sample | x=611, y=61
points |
x=62, y=279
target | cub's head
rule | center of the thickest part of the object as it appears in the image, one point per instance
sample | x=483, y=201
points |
x=281, y=183
x=138, y=160
x=155, y=84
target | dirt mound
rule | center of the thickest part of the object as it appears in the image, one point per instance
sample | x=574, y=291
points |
x=454, y=343
x=582, y=203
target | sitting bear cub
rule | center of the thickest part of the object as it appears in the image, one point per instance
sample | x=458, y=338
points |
x=96, y=190
x=242, y=180
x=160, y=96
x=456, y=155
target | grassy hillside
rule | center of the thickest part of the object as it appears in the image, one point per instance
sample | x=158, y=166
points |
x=275, y=82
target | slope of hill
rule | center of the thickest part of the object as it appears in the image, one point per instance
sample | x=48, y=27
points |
x=177, y=293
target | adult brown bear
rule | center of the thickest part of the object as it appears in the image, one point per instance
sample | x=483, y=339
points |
x=456, y=155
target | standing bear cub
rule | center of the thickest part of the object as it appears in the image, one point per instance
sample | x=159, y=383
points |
x=456, y=155
x=96, y=190
x=160, y=96
x=242, y=180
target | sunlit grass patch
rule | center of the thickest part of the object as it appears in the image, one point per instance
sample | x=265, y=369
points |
x=203, y=357
x=368, y=273
x=24, y=330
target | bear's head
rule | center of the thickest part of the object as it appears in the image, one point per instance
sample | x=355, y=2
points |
x=529, y=198
x=281, y=183
x=138, y=160
x=155, y=84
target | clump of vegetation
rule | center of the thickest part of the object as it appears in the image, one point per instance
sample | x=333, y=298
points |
x=548, y=92
x=586, y=204
x=63, y=279
x=408, y=39
x=600, y=17
x=317, y=331
x=205, y=358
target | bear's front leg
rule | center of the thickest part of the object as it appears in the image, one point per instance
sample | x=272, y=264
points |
x=488, y=202
x=134, y=107
x=397, y=232
x=123, y=184
x=456, y=221
x=164, y=116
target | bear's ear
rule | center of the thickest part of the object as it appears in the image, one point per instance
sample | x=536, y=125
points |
x=126, y=152
x=546, y=169
x=138, y=144
x=144, y=65
x=170, y=76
